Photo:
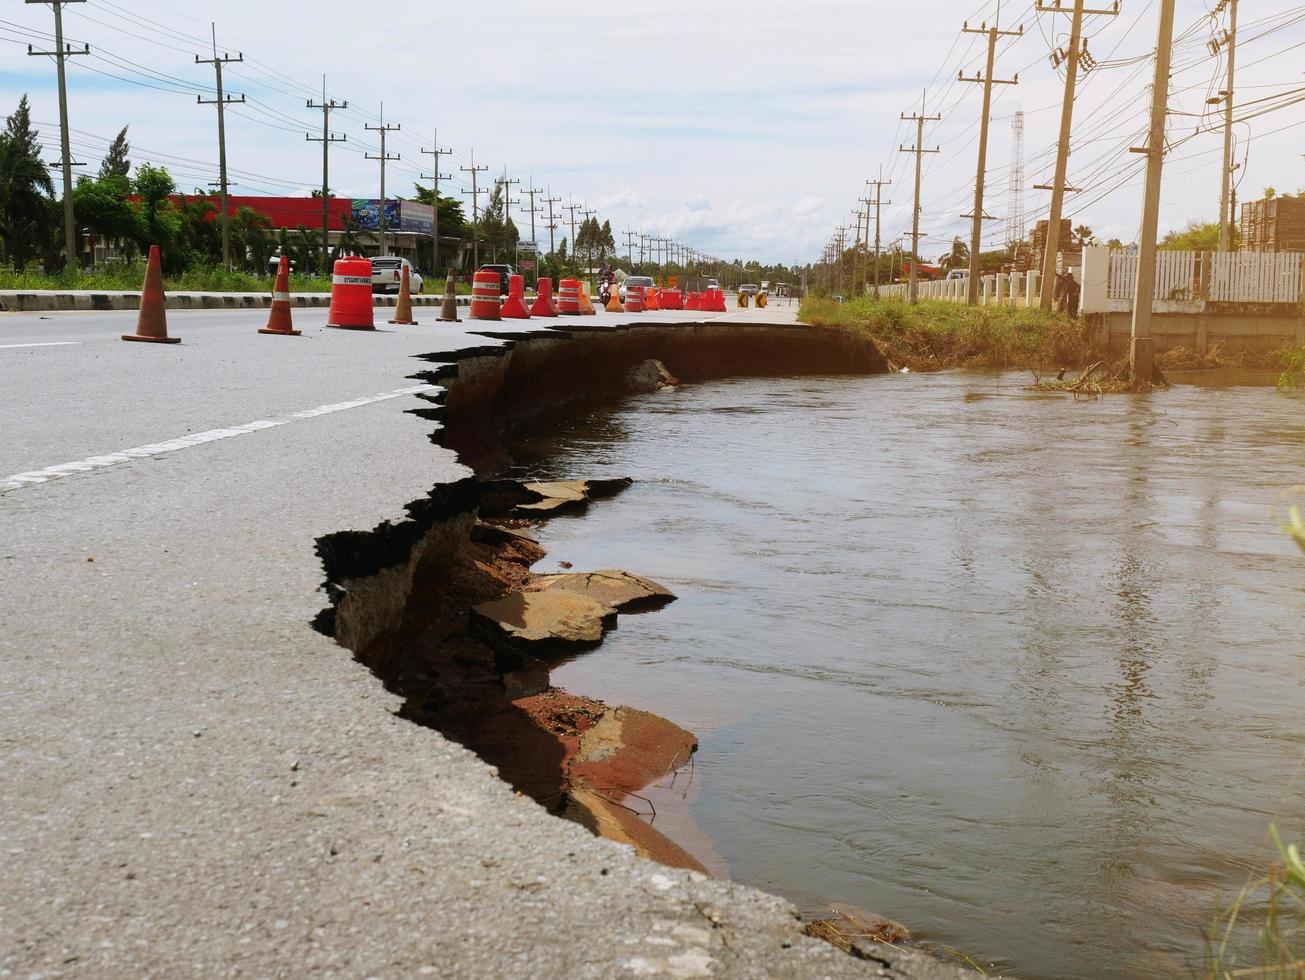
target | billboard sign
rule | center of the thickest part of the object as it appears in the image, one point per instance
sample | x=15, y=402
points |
x=417, y=217
x=367, y=214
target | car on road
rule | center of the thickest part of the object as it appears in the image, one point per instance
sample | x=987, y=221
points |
x=274, y=264
x=505, y=274
x=644, y=281
x=713, y=284
x=748, y=289
x=958, y=274
x=387, y=275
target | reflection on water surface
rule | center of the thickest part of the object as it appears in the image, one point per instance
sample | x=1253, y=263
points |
x=1023, y=672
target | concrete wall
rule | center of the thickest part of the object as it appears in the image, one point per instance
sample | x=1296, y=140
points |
x=1262, y=331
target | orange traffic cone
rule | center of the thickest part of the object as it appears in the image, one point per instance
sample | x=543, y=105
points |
x=152, y=323
x=650, y=299
x=403, y=307
x=279, y=319
x=449, y=308
x=614, y=304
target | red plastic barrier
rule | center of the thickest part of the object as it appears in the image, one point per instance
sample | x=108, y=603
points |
x=351, y=295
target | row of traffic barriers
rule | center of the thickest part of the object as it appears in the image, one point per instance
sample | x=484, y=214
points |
x=352, y=305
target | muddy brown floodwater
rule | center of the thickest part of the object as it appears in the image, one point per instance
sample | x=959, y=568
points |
x=1021, y=672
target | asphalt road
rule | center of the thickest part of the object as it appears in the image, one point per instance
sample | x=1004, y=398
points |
x=192, y=781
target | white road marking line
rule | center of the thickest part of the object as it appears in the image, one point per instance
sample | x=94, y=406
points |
x=50, y=343
x=194, y=439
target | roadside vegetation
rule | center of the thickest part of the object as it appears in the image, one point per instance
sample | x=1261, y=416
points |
x=1261, y=935
x=129, y=276
x=933, y=335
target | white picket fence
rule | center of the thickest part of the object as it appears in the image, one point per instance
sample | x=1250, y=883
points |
x=1184, y=281
x=1255, y=277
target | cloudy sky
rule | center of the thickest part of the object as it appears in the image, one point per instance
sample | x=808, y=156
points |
x=744, y=129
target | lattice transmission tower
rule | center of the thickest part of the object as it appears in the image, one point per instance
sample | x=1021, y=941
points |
x=1015, y=196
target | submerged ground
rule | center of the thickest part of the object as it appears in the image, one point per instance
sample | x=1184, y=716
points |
x=1020, y=671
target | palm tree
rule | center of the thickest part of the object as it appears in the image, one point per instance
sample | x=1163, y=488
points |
x=1083, y=235
x=957, y=258
x=250, y=238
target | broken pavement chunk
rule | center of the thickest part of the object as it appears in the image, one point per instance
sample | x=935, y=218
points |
x=542, y=622
x=618, y=589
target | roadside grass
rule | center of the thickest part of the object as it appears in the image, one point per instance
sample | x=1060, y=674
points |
x=130, y=277
x=934, y=335
x=1262, y=934
x=1292, y=363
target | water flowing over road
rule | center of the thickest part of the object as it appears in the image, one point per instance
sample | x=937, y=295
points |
x=1022, y=672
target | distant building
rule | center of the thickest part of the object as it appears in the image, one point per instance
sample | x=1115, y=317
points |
x=408, y=224
x=1274, y=224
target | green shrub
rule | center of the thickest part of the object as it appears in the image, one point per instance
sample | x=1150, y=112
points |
x=934, y=334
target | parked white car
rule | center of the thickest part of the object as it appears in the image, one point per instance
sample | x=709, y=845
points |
x=644, y=281
x=387, y=275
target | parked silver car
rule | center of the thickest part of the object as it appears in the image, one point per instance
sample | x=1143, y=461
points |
x=387, y=275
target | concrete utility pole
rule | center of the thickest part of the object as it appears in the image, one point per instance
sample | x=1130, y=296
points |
x=66, y=162
x=552, y=220
x=326, y=139
x=532, y=190
x=1071, y=60
x=859, y=265
x=913, y=289
x=508, y=201
x=384, y=130
x=878, y=203
x=436, y=177
x=589, y=250
x=629, y=246
x=573, y=208
x=221, y=102
x=1141, y=354
x=976, y=225
x=475, y=207
x=1227, y=219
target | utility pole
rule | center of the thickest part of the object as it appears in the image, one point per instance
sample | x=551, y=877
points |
x=532, y=190
x=865, y=255
x=475, y=207
x=436, y=177
x=878, y=203
x=326, y=139
x=573, y=208
x=976, y=224
x=552, y=220
x=384, y=130
x=1141, y=354
x=1229, y=40
x=1071, y=59
x=589, y=249
x=66, y=162
x=913, y=289
x=221, y=102
x=629, y=245
x=508, y=201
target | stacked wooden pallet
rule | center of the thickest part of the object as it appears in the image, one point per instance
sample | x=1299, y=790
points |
x=1274, y=224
